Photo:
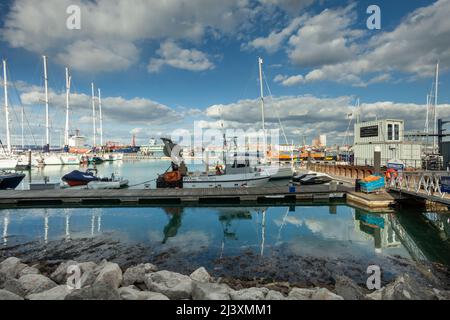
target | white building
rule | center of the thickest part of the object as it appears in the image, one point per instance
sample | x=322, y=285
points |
x=388, y=136
x=323, y=140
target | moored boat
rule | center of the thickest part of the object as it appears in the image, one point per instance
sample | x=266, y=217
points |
x=10, y=180
x=52, y=160
x=78, y=178
x=70, y=159
x=8, y=163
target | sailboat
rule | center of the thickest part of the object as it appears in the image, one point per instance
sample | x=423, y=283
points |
x=7, y=161
x=274, y=170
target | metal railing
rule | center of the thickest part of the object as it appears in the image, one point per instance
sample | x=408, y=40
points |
x=419, y=182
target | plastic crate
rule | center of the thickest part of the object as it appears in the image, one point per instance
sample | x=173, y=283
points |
x=373, y=186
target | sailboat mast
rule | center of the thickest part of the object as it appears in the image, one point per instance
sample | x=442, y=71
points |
x=93, y=115
x=100, y=115
x=436, y=87
x=260, y=61
x=5, y=83
x=47, y=121
x=66, y=131
x=23, y=138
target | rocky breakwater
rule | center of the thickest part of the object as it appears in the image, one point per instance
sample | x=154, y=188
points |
x=73, y=280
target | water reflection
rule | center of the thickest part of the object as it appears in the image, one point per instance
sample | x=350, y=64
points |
x=322, y=231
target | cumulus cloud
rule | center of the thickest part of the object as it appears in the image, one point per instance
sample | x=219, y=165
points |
x=308, y=115
x=112, y=30
x=173, y=55
x=121, y=110
x=335, y=50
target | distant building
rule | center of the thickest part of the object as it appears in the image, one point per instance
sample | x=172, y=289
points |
x=323, y=140
x=388, y=135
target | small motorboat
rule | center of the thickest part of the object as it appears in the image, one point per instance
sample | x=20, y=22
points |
x=78, y=178
x=312, y=178
x=112, y=183
x=10, y=180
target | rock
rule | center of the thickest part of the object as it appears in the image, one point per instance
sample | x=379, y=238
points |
x=313, y=294
x=442, y=295
x=14, y=286
x=60, y=275
x=12, y=267
x=110, y=274
x=300, y=294
x=136, y=275
x=403, y=288
x=325, y=294
x=28, y=270
x=210, y=291
x=249, y=294
x=88, y=278
x=98, y=291
x=174, y=285
x=275, y=295
x=3, y=279
x=36, y=283
x=8, y=296
x=201, y=275
x=348, y=289
x=56, y=293
x=129, y=293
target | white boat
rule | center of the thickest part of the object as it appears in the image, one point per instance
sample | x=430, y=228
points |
x=98, y=185
x=116, y=156
x=53, y=160
x=8, y=163
x=70, y=159
x=277, y=171
x=235, y=176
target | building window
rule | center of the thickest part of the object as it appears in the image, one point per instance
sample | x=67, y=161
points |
x=390, y=135
x=397, y=132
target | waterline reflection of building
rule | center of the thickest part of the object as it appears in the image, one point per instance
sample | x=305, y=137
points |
x=376, y=227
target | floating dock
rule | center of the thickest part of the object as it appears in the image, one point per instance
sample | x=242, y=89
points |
x=131, y=197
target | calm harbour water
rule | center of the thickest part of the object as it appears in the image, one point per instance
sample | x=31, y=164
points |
x=202, y=236
x=327, y=232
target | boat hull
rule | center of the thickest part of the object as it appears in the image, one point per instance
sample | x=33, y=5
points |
x=277, y=172
x=225, y=181
x=10, y=181
x=70, y=160
x=8, y=163
x=53, y=161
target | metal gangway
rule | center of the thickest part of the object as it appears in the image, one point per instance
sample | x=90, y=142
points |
x=422, y=184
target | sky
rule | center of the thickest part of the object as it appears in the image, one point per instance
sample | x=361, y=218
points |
x=165, y=65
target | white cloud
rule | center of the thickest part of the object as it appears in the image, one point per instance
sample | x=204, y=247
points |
x=276, y=38
x=118, y=109
x=112, y=30
x=326, y=43
x=308, y=115
x=173, y=55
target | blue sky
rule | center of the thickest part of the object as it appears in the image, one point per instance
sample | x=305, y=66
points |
x=162, y=66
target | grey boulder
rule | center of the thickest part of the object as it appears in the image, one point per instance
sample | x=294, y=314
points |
x=111, y=274
x=201, y=275
x=136, y=275
x=210, y=291
x=250, y=294
x=56, y=293
x=98, y=291
x=8, y=296
x=36, y=283
x=171, y=284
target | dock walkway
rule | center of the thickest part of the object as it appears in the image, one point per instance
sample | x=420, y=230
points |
x=65, y=197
